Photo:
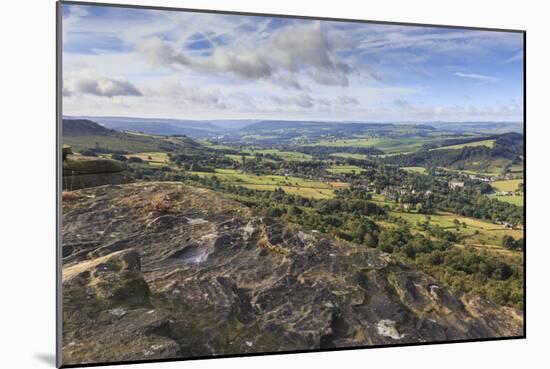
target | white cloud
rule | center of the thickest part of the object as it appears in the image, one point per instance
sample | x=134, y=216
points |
x=76, y=15
x=300, y=48
x=254, y=67
x=159, y=53
x=516, y=57
x=99, y=86
x=404, y=108
x=187, y=96
x=477, y=77
x=453, y=43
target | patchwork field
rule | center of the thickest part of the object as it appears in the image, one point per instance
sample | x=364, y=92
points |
x=487, y=173
x=387, y=145
x=420, y=170
x=488, y=143
x=516, y=169
x=345, y=169
x=238, y=158
x=152, y=158
x=339, y=185
x=477, y=233
x=392, y=146
x=348, y=155
x=507, y=185
x=284, y=155
x=212, y=145
x=513, y=199
x=292, y=185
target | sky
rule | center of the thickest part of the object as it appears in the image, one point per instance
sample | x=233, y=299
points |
x=184, y=65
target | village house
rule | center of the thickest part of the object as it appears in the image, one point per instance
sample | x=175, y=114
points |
x=456, y=184
x=482, y=179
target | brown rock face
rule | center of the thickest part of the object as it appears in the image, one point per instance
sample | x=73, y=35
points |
x=163, y=270
x=81, y=172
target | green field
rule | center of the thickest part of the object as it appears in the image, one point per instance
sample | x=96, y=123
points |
x=516, y=169
x=489, y=173
x=292, y=185
x=388, y=145
x=215, y=146
x=152, y=158
x=284, y=155
x=238, y=158
x=488, y=143
x=349, y=155
x=507, y=185
x=420, y=170
x=513, y=199
x=345, y=169
x=488, y=235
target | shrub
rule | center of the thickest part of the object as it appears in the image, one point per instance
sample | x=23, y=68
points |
x=119, y=157
x=135, y=159
x=88, y=153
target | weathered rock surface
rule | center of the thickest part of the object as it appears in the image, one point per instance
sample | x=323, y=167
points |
x=163, y=270
x=83, y=171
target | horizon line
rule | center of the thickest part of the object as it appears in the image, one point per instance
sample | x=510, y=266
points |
x=300, y=120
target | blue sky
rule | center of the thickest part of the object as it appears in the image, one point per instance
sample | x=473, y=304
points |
x=164, y=64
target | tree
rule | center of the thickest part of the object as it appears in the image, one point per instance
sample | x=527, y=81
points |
x=456, y=222
x=294, y=210
x=273, y=212
x=509, y=242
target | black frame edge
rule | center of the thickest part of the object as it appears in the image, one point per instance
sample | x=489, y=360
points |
x=58, y=184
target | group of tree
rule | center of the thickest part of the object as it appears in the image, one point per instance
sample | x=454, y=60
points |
x=512, y=244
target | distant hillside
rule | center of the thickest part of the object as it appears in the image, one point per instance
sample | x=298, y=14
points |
x=480, y=127
x=309, y=125
x=84, y=134
x=507, y=148
x=85, y=127
x=165, y=127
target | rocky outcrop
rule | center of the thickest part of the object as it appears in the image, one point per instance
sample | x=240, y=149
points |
x=85, y=171
x=163, y=270
x=108, y=313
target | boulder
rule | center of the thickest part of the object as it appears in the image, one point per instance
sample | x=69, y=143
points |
x=107, y=312
x=83, y=171
x=76, y=165
x=66, y=150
